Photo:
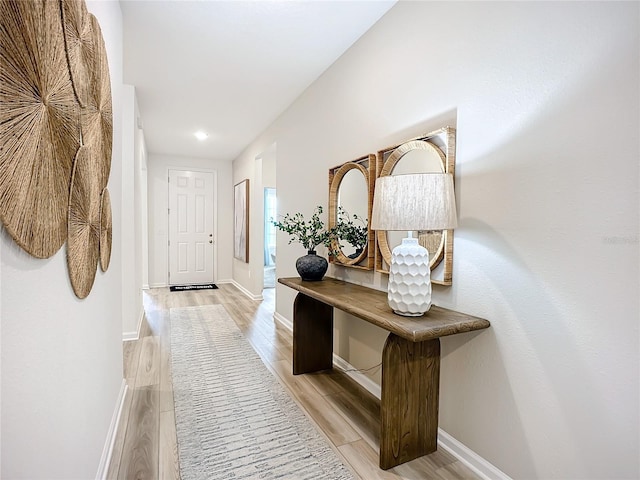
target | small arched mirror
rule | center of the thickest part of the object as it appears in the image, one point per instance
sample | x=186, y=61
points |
x=434, y=152
x=350, y=203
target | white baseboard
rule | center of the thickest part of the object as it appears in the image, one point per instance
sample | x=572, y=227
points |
x=242, y=289
x=129, y=336
x=107, y=451
x=471, y=459
x=284, y=321
x=158, y=285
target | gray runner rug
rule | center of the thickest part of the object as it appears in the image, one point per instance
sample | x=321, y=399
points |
x=234, y=420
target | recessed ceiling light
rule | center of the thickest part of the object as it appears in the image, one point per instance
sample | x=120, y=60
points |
x=200, y=135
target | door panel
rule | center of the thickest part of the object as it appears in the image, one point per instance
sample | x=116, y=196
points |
x=190, y=227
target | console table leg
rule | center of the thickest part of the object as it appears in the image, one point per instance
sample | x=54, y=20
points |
x=312, y=335
x=409, y=403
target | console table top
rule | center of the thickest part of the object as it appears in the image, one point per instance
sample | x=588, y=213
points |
x=371, y=305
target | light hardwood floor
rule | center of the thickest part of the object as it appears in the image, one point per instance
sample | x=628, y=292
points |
x=348, y=415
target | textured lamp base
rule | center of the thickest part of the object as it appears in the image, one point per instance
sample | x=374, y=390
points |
x=409, y=291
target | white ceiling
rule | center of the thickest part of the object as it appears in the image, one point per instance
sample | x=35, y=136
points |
x=230, y=68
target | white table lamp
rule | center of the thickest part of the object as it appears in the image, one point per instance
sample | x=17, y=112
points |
x=424, y=201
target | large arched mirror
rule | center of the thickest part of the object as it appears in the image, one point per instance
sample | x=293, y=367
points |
x=434, y=152
x=350, y=202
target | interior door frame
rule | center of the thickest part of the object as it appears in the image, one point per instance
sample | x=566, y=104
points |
x=215, y=216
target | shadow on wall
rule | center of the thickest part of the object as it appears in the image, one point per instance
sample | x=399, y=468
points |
x=551, y=280
x=538, y=195
x=503, y=377
x=446, y=118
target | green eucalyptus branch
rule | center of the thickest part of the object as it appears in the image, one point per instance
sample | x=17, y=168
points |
x=310, y=233
x=348, y=230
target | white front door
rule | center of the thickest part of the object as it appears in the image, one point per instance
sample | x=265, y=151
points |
x=190, y=227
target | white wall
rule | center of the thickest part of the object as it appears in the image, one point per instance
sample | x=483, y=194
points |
x=242, y=270
x=61, y=356
x=140, y=201
x=269, y=167
x=545, y=99
x=133, y=178
x=157, y=171
x=260, y=170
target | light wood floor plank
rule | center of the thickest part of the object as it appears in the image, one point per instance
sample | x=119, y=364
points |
x=140, y=450
x=166, y=383
x=131, y=354
x=365, y=421
x=330, y=421
x=149, y=366
x=169, y=468
x=364, y=460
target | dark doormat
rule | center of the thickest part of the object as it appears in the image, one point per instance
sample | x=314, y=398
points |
x=205, y=286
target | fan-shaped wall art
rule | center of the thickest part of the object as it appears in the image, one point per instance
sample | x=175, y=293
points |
x=84, y=222
x=97, y=117
x=106, y=229
x=55, y=105
x=39, y=125
x=79, y=45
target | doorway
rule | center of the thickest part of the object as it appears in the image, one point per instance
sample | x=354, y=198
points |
x=270, y=212
x=191, y=223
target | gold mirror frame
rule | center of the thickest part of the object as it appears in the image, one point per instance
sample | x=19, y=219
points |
x=366, y=165
x=443, y=142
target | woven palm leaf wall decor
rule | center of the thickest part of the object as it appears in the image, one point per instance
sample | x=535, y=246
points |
x=97, y=117
x=106, y=229
x=56, y=133
x=84, y=222
x=39, y=118
x=79, y=45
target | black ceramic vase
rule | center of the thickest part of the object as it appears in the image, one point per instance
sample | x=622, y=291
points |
x=312, y=267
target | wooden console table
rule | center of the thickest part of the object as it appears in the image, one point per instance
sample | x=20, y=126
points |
x=410, y=358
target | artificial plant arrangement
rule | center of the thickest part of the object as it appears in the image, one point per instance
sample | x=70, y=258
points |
x=310, y=233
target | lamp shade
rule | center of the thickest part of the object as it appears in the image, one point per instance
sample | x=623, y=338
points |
x=423, y=201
